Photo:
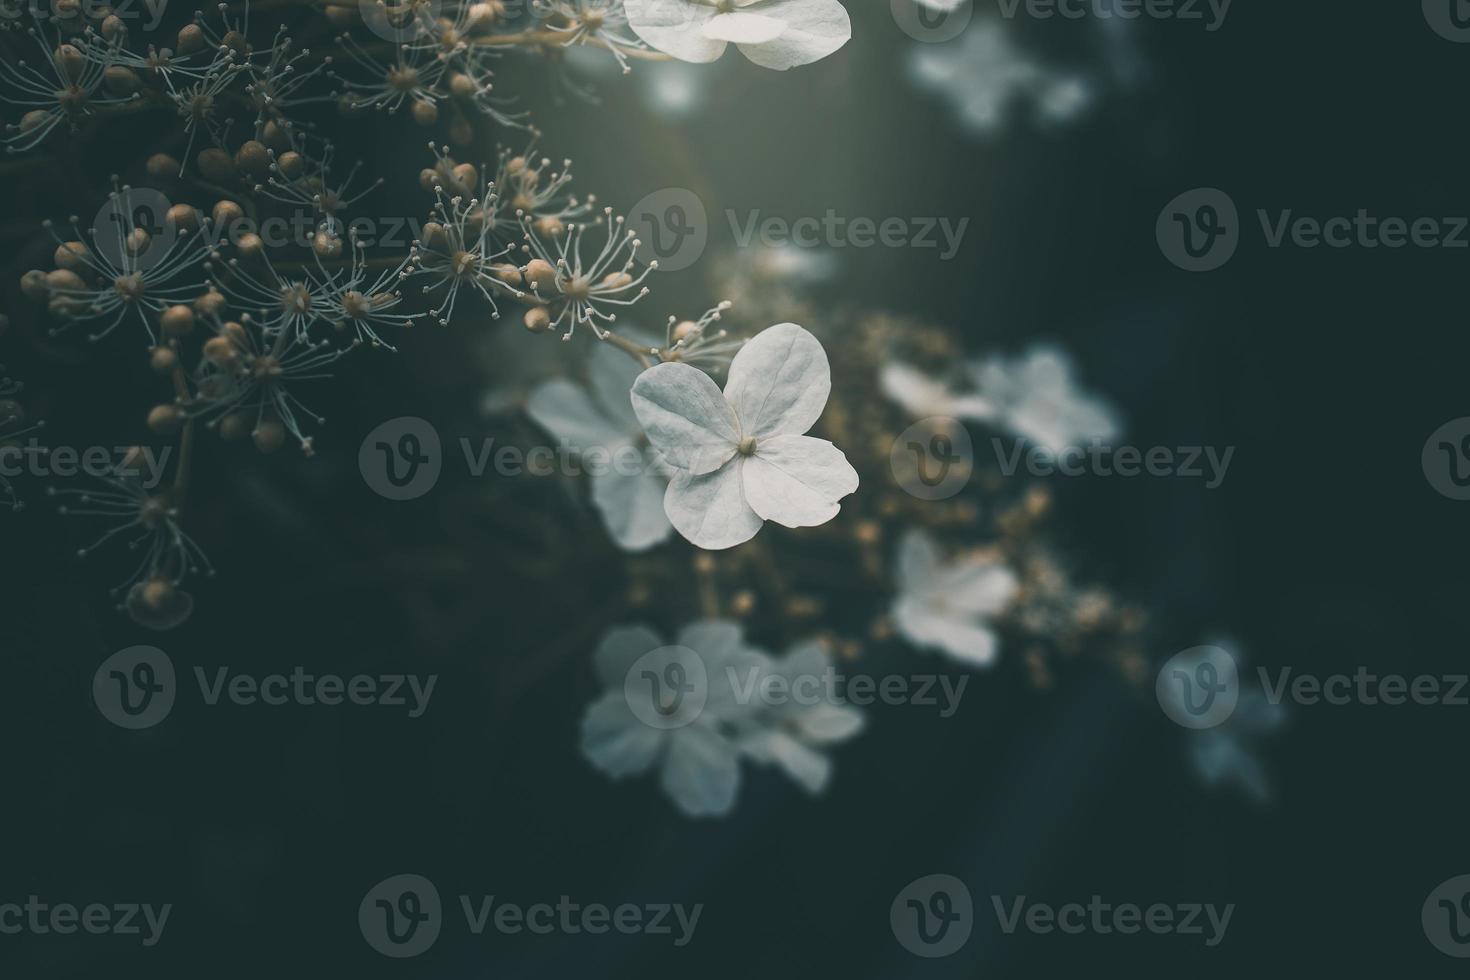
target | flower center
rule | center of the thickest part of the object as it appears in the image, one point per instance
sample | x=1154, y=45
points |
x=747, y=446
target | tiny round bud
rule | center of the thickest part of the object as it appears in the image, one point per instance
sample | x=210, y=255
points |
x=215, y=164
x=425, y=113
x=121, y=80
x=72, y=255
x=550, y=226
x=69, y=61
x=339, y=16
x=113, y=28
x=269, y=435
x=540, y=274
x=34, y=284
x=161, y=165
x=183, y=217
x=684, y=329
x=461, y=132
x=274, y=135
x=34, y=119
x=617, y=280
x=226, y=213
x=249, y=245
x=163, y=360
x=221, y=351
x=466, y=175
x=211, y=303
x=462, y=86
x=253, y=158
x=177, y=321
x=537, y=319
x=165, y=419
x=64, y=279
x=234, y=426
x=137, y=242
x=290, y=164
x=236, y=332
x=157, y=594
x=191, y=39
x=506, y=273
x=326, y=244
x=435, y=236
x=429, y=179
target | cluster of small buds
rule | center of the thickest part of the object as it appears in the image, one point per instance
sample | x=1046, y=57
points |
x=600, y=22
x=569, y=290
x=123, y=267
x=458, y=250
x=148, y=522
x=66, y=87
x=696, y=342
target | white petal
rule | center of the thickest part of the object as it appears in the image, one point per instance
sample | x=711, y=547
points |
x=827, y=724
x=779, y=382
x=701, y=772
x=715, y=640
x=673, y=27
x=615, y=741
x=814, y=29
x=632, y=508
x=619, y=649
x=925, y=626
x=976, y=588
x=710, y=510
x=567, y=412
x=806, y=766
x=686, y=417
x=918, y=561
x=745, y=28
x=796, y=481
x=611, y=374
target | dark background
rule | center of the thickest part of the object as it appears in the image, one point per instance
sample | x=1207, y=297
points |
x=1325, y=549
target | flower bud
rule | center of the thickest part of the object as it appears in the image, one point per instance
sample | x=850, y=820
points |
x=161, y=165
x=269, y=435
x=163, y=360
x=177, y=321
x=165, y=419
x=215, y=164
x=540, y=274
x=537, y=319
x=72, y=255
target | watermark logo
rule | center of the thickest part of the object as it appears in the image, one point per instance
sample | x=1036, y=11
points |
x=401, y=916
x=1446, y=917
x=1211, y=12
x=667, y=688
x=932, y=21
x=1446, y=459
x=672, y=228
x=402, y=458
x=135, y=688
x=1199, y=230
x=400, y=23
x=1199, y=687
x=132, y=231
x=932, y=916
x=933, y=458
x=1450, y=19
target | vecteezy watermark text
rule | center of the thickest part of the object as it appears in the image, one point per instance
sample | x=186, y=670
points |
x=830, y=687
x=32, y=458
x=40, y=918
x=1211, y=12
x=836, y=231
x=1125, y=461
x=402, y=916
x=1104, y=918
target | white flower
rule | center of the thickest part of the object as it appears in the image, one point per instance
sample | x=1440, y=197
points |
x=740, y=455
x=1230, y=752
x=944, y=606
x=981, y=74
x=1036, y=398
x=627, y=488
x=777, y=34
x=698, y=761
x=792, y=733
x=923, y=396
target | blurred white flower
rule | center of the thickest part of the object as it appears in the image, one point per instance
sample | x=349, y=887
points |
x=981, y=75
x=674, y=88
x=944, y=606
x=922, y=396
x=792, y=734
x=777, y=34
x=1229, y=753
x=740, y=455
x=1036, y=398
x=629, y=489
x=698, y=762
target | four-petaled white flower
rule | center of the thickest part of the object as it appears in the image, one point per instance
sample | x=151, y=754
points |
x=944, y=606
x=698, y=760
x=1036, y=398
x=740, y=456
x=628, y=485
x=777, y=34
x=793, y=730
